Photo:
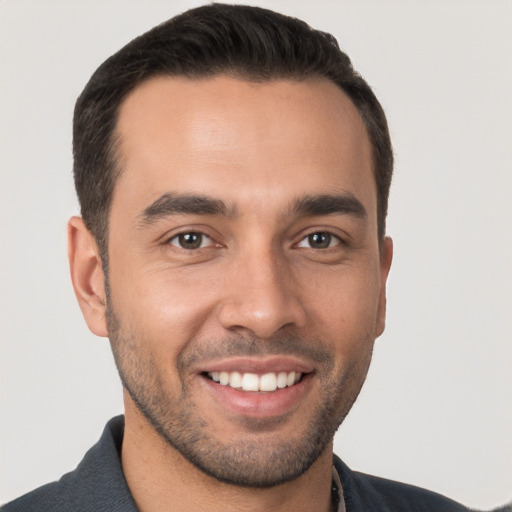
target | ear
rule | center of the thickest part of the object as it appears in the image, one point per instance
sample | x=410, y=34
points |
x=386, y=256
x=87, y=275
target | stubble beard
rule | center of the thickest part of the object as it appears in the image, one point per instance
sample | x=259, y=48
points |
x=178, y=420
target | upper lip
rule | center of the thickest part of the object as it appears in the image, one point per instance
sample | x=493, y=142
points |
x=259, y=365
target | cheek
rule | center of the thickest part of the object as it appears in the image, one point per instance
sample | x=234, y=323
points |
x=170, y=308
x=345, y=317
x=348, y=301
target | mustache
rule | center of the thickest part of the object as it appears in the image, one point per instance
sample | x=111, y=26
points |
x=202, y=351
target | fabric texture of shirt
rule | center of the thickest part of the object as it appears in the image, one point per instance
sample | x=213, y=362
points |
x=98, y=485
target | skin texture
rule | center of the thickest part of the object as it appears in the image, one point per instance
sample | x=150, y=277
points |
x=258, y=277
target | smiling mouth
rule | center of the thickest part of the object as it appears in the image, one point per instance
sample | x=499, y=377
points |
x=255, y=382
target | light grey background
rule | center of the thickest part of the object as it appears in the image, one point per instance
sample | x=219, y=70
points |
x=437, y=408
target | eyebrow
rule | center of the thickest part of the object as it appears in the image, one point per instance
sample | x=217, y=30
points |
x=185, y=204
x=327, y=204
x=192, y=204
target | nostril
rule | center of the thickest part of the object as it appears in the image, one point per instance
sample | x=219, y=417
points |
x=261, y=322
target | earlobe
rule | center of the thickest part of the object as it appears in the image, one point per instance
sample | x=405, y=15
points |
x=87, y=275
x=386, y=257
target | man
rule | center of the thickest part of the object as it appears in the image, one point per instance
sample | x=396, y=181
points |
x=233, y=173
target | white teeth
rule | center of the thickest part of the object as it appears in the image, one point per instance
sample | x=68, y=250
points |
x=250, y=382
x=254, y=382
x=268, y=382
x=235, y=380
x=282, y=380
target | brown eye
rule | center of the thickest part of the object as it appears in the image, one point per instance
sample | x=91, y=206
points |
x=319, y=240
x=190, y=240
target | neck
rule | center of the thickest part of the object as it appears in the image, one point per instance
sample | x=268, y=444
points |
x=160, y=478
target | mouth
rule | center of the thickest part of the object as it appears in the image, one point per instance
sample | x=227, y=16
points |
x=258, y=388
x=266, y=382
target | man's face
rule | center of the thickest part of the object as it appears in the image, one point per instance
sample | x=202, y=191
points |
x=245, y=278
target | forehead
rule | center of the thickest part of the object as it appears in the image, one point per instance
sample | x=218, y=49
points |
x=217, y=135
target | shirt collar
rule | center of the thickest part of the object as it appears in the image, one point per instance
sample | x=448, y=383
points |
x=338, y=502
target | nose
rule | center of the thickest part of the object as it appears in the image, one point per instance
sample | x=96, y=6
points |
x=261, y=296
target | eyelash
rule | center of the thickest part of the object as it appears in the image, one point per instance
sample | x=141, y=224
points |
x=325, y=237
x=329, y=238
x=181, y=236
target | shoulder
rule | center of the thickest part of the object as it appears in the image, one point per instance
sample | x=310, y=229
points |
x=45, y=498
x=96, y=485
x=367, y=492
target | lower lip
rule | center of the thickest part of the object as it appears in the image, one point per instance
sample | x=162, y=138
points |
x=259, y=404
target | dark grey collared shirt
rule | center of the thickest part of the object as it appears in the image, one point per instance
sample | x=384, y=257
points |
x=98, y=485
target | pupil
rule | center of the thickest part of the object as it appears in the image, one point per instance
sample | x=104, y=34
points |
x=320, y=240
x=190, y=240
